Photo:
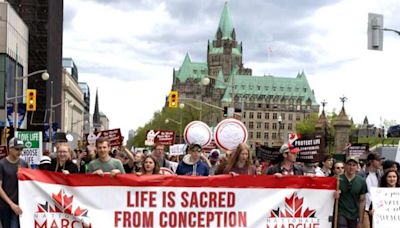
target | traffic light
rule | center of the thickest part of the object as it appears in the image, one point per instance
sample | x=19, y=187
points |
x=31, y=100
x=375, y=31
x=173, y=99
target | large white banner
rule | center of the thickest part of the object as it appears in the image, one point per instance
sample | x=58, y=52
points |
x=386, y=204
x=57, y=200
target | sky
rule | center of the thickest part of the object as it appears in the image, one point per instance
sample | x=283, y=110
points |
x=127, y=49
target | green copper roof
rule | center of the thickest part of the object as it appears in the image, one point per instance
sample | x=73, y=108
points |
x=225, y=23
x=191, y=69
x=219, y=82
x=271, y=86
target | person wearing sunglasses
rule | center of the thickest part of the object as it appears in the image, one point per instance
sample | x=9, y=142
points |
x=351, y=195
x=288, y=155
x=338, y=168
x=192, y=164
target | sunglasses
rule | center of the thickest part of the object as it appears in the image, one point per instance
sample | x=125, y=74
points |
x=339, y=167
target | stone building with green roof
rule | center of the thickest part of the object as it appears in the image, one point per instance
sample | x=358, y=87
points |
x=260, y=99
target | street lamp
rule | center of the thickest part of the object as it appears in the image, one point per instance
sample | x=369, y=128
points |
x=279, y=128
x=181, y=106
x=45, y=77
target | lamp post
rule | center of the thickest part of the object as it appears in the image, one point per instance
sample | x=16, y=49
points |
x=176, y=122
x=279, y=128
x=181, y=106
x=45, y=77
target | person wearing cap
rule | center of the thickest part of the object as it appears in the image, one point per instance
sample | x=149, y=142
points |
x=9, y=208
x=191, y=164
x=388, y=165
x=288, y=155
x=214, y=161
x=44, y=163
x=373, y=178
x=351, y=195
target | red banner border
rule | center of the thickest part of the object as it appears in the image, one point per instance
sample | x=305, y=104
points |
x=220, y=181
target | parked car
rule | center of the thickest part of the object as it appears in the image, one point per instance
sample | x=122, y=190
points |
x=394, y=131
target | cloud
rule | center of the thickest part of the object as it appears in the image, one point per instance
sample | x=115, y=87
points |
x=132, y=46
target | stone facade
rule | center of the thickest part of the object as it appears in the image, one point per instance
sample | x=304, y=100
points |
x=259, y=100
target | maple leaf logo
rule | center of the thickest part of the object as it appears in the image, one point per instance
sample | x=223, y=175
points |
x=62, y=204
x=293, y=209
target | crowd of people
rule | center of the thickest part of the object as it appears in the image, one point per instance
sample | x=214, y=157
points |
x=353, y=196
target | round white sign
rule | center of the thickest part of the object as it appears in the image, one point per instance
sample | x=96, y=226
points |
x=229, y=133
x=197, y=132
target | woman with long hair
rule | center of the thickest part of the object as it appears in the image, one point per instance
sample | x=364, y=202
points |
x=150, y=166
x=240, y=161
x=63, y=163
x=390, y=179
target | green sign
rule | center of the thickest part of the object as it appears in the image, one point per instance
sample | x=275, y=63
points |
x=33, y=146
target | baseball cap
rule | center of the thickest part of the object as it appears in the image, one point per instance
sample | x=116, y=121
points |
x=285, y=148
x=214, y=155
x=374, y=156
x=45, y=160
x=353, y=159
x=16, y=143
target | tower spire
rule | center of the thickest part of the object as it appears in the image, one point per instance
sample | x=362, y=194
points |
x=226, y=24
x=96, y=114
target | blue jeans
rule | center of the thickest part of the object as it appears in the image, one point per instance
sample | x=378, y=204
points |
x=8, y=218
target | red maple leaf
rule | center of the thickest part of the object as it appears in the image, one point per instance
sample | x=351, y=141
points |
x=293, y=209
x=293, y=206
x=63, y=202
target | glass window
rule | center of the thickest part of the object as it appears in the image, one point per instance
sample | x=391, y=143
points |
x=274, y=126
x=258, y=135
x=266, y=126
x=266, y=135
x=251, y=115
x=251, y=125
x=259, y=115
x=274, y=116
x=258, y=125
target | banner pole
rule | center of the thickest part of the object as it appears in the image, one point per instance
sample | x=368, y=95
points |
x=335, y=221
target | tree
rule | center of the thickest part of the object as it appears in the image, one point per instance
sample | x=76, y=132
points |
x=307, y=126
x=189, y=113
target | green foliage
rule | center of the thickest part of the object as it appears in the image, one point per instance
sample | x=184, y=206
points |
x=307, y=126
x=373, y=141
x=189, y=113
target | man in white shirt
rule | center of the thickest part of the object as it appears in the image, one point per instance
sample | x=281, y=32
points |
x=373, y=179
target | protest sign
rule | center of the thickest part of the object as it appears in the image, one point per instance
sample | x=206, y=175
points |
x=386, y=204
x=358, y=150
x=3, y=152
x=177, y=149
x=51, y=199
x=33, y=146
x=165, y=137
x=310, y=149
x=265, y=153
